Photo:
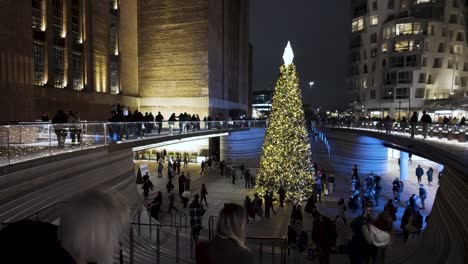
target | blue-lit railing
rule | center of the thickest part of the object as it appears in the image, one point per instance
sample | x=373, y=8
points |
x=448, y=132
x=29, y=141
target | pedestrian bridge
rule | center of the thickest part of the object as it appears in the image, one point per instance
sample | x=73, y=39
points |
x=445, y=238
x=36, y=170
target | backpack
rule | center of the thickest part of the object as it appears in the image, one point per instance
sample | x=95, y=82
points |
x=402, y=187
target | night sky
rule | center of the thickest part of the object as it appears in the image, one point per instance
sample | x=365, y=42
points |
x=319, y=32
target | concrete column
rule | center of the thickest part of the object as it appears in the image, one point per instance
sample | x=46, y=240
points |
x=403, y=165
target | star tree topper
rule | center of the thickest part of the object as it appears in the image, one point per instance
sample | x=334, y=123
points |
x=288, y=54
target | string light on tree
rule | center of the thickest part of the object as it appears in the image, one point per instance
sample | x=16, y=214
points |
x=286, y=152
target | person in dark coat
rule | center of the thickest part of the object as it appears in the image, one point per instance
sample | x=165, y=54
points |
x=181, y=184
x=419, y=173
x=60, y=118
x=282, y=196
x=147, y=185
x=430, y=173
x=310, y=205
x=156, y=206
x=169, y=185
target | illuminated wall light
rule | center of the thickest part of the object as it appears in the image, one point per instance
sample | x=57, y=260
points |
x=80, y=41
x=116, y=6
x=64, y=34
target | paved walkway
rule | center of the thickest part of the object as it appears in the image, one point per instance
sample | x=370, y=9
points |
x=221, y=190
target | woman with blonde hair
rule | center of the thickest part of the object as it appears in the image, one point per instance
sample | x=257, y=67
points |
x=229, y=239
x=91, y=226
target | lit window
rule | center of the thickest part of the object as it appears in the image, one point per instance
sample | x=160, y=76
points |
x=374, y=20
x=384, y=48
x=358, y=24
x=114, y=78
x=403, y=3
x=404, y=45
x=77, y=71
x=404, y=29
x=422, y=1
x=59, y=64
x=417, y=28
x=38, y=52
x=37, y=12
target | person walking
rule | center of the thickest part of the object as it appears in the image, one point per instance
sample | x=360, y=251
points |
x=268, y=197
x=426, y=121
x=413, y=122
x=422, y=196
x=282, y=196
x=377, y=190
x=249, y=212
x=147, y=185
x=429, y=173
x=203, y=194
x=187, y=182
x=202, y=165
x=221, y=167
x=185, y=198
x=156, y=206
x=196, y=212
x=247, y=178
x=257, y=205
x=181, y=184
x=169, y=185
x=342, y=209
x=297, y=241
x=242, y=170
x=419, y=173
x=171, y=198
x=160, y=169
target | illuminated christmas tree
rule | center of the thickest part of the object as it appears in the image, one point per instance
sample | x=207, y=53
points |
x=286, y=152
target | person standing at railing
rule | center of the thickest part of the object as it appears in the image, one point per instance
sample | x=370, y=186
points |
x=196, y=212
x=462, y=121
x=188, y=180
x=413, y=122
x=388, y=124
x=426, y=122
x=282, y=196
x=159, y=119
x=59, y=119
x=171, y=122
x=75, y=130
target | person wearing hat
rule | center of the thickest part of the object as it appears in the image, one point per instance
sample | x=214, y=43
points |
x=422, y=195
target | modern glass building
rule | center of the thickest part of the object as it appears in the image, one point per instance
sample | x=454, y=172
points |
x=405, y=53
